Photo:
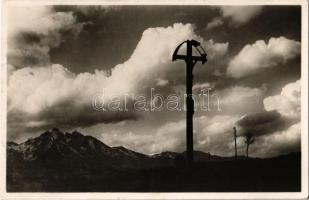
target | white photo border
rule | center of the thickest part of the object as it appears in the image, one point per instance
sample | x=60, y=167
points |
x=183, y=195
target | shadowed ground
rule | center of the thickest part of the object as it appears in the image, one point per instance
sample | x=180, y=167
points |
x=72, y=162
x=256, y=175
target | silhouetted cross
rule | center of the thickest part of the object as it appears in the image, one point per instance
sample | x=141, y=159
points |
x=190, y=60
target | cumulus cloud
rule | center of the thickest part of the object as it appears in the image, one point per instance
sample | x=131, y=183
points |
x=201, y=86
x=211, y=134
x=161, y=82
x=215, y=22
x=215, y=134
x=170, y=137
x=33, y=31
x=95, y=9
x=129, y=139
x=239, y=99
x=237, y=94
x=277, y=130
x=167, y=137
x=273, y=136
x=240, y=14
x=53, y=89
x=236, y=15
x=278, y=143
x=215, y=50
x=273, y=133
x=261, y=55
x=288, y=102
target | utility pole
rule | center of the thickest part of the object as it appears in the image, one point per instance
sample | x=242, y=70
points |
x=234, y=128
x=190, y=60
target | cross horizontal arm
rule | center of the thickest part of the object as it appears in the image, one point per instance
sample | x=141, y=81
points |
x=193, y=58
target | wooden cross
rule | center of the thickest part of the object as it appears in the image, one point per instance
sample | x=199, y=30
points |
x=190, y=60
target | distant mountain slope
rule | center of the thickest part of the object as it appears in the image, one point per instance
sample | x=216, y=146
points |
x=55, y=145
x=57, y=161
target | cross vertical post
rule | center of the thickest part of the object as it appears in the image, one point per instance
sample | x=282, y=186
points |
x=189, y=103
x=190, y=60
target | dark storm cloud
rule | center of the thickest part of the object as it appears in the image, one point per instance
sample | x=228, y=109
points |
x=36, y=56
x=65, y=115
x=262, y=123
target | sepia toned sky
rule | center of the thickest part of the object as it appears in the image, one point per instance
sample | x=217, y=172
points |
x=60, y=58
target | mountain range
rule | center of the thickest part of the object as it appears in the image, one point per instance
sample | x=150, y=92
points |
x=54, y=145
x=72, y=162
